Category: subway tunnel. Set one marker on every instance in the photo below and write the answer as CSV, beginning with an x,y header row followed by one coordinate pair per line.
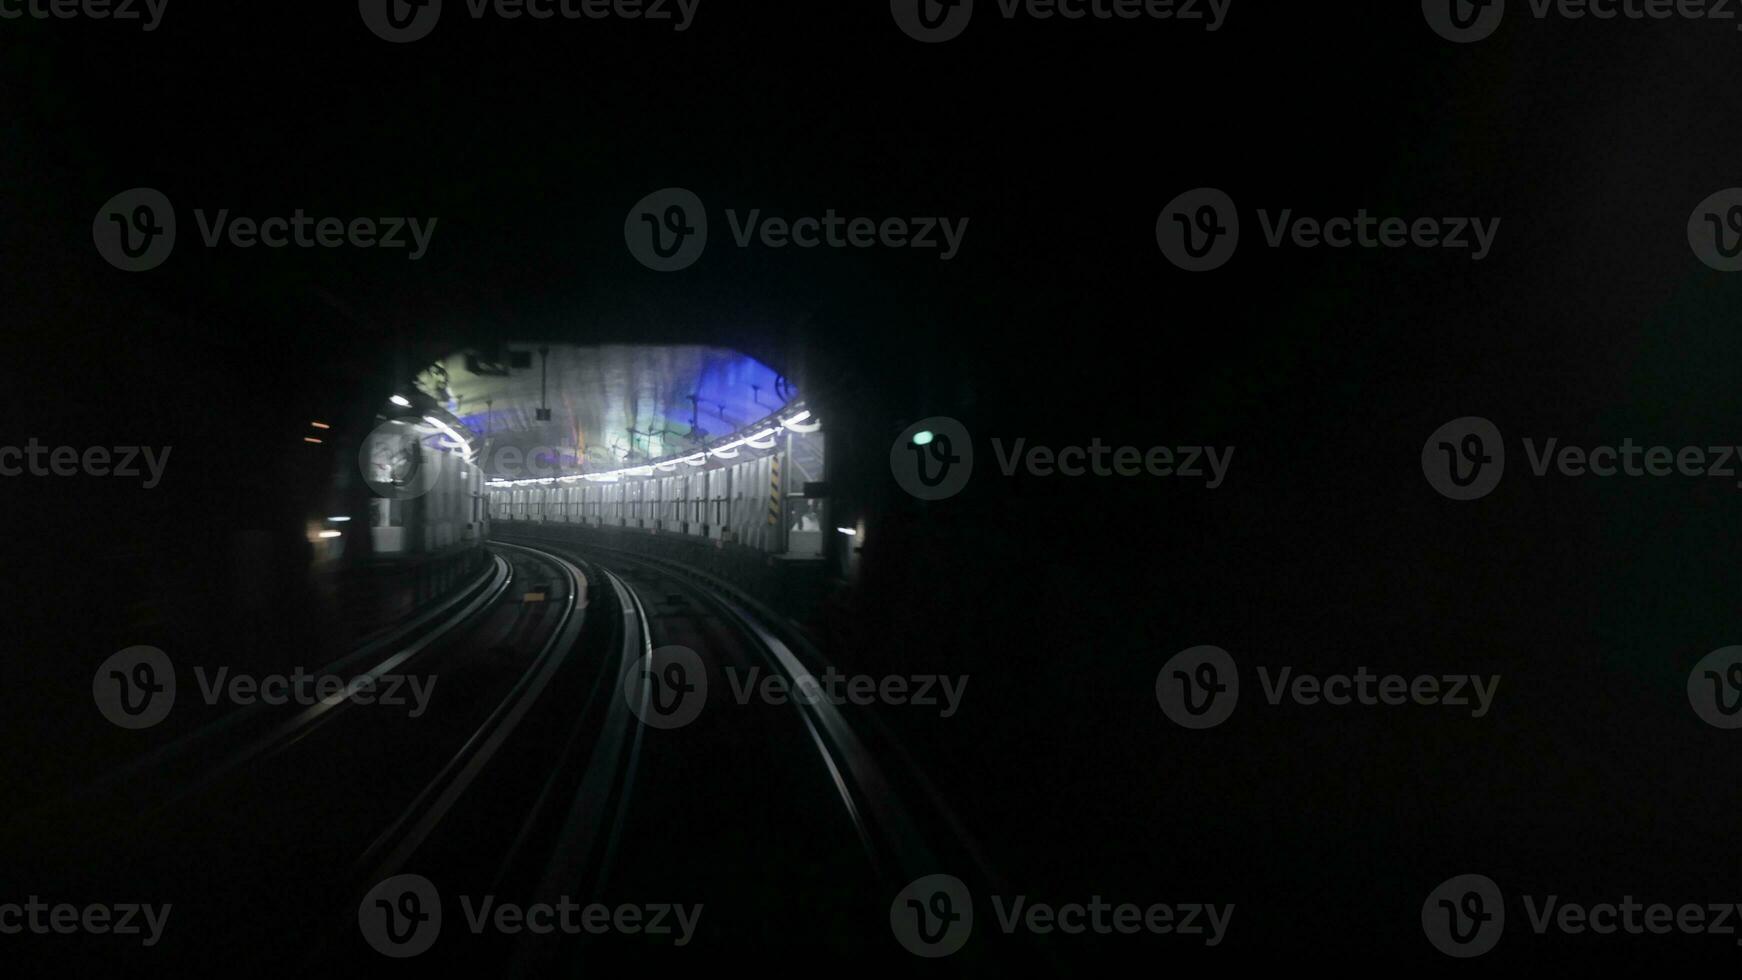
x,y
620,558
949,488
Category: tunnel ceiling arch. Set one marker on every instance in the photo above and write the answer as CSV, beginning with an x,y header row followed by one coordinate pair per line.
x,y
608,405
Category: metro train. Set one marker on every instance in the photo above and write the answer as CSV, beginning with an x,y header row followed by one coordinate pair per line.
x,y
427,492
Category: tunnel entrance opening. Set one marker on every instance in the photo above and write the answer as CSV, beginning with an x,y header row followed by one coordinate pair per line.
x,y
697,443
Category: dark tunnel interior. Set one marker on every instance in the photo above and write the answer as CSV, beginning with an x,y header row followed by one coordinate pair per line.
x,y
529,487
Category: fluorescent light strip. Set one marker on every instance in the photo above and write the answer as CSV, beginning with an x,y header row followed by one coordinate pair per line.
x,y
763,440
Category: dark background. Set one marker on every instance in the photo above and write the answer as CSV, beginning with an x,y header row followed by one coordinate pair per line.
x,y
1060,321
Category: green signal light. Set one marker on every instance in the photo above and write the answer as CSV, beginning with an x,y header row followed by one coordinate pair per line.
x,y
922,438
